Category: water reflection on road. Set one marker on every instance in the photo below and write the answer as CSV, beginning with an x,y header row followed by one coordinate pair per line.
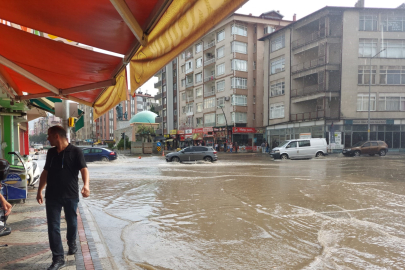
x,y
248,212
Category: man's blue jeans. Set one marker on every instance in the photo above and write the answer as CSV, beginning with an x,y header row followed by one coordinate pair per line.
x,y
53,214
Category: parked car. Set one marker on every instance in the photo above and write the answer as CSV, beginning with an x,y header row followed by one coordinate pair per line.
x,y
367,147
193,153
98,154
300,148
38,146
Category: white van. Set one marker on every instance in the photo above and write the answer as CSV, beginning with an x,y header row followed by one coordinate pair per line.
x,y
300,148
38,146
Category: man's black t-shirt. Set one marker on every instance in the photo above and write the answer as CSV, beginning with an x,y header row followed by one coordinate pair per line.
x,y
63,172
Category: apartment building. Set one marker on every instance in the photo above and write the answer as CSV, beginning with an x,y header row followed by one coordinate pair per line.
x,y
317,75
221,81
166,98
87,134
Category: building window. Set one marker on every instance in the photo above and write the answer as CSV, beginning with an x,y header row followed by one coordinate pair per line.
x,y
198,77
183,109
362,102
164,88
183,96
393,23
175,86
277,43
190,95
221,86
239,117
198,47
239,100
189,107
221,119
254,65
268,30
189,66
199,122
220,35
393,48
133,106
198,62
209,102
386,102
198,92
237,64
183,68
221,69
240,83
164,101
209,119
199,107
392,75
276,110
367,47
254,48
277,88
277,65
183,82
239,47
368,23
221,52
175,99
221,101
183,55
238,29
254,81
364,75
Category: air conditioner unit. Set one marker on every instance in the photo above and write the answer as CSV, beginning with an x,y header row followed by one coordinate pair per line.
x,y
227,98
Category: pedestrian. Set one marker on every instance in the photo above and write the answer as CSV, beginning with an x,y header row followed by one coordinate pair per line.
x,y
5,204
230,147
236,147
60,176
225,147
267,147
263,147
216,147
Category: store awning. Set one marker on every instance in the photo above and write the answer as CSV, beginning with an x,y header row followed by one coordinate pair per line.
x,y
43,52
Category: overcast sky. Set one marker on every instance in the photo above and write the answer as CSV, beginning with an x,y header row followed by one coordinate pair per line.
x,y
288,8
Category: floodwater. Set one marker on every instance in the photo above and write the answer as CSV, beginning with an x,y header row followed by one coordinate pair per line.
x,y
249,212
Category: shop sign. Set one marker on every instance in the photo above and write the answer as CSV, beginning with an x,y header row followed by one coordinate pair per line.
x,y
372,122
305,135
207,129
180,132
173,132
260,131
198,130
182,138
218,129
188,136
173,136
220,134
167,136
243,130
198,136
188,131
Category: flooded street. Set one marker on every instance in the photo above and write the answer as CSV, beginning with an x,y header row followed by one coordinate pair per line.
x,y
249,212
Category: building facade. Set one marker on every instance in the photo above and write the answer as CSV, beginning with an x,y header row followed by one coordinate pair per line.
x,y
317,75
221,81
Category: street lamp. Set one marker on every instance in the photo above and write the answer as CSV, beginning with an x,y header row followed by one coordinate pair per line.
x,y
222,108
369,96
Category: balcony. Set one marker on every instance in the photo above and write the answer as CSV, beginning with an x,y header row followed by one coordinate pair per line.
x,y
209,78
212,124
189,99
159,131
189,84
158,96
158,108
189,55
308,39
158,84
209,61
158,119
309,64
210,92
311,90
308,116
209,45
189,70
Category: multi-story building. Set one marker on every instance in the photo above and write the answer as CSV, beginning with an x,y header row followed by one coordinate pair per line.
x,y
221,80
317,75
88,132
166,98
144,102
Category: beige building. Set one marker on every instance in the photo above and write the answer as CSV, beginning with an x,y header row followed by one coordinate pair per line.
x,y
87,134
318,73
221,78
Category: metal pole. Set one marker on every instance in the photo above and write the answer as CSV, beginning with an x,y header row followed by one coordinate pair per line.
x,y
226,122
65,117
369,104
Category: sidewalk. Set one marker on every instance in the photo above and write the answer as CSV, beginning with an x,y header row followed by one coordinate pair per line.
x,y
28,246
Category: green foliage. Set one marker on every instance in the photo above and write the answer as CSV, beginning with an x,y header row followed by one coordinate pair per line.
x,y
145,133
110,145
152,109
120,145
40,138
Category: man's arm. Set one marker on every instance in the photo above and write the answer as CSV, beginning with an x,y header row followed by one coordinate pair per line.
x,y
42,183
5,204
86,182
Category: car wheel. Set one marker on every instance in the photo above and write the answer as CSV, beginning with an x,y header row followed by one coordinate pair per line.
x,y
382,153
175,159
284,156
357,153
319,154
105,159
208,159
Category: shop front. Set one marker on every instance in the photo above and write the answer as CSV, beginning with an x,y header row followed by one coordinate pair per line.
x,y
220,137
185,137
248,139
174,138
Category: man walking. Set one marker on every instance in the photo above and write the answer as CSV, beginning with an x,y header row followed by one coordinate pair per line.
x,y
60,175
263,147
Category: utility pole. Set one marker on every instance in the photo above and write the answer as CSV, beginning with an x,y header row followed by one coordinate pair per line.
x,y
65,118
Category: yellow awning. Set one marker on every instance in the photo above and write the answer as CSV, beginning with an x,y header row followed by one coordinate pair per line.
x,y
183,23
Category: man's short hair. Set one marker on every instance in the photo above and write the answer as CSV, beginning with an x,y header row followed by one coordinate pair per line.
x,y
58,130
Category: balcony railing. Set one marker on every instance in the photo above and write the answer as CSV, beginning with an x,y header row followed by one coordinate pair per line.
x,y
189,56
158,96
308,39
309,64
200,125
209,61
158,108
189,70
189,98
210,92
158,119
310,90
308,116
209,45
189,84
158,84
239,86
212,124
209,78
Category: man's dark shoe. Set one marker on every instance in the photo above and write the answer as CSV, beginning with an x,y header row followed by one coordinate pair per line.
x,y
72,248
57,264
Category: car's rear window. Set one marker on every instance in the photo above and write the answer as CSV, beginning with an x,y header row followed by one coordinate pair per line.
x,y
200,148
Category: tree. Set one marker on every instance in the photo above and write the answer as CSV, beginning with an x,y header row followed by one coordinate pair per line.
x,y
145,132
40,138
152,109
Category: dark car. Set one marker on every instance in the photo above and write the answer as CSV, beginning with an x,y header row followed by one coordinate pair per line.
x,y
98,154
193,153
367,147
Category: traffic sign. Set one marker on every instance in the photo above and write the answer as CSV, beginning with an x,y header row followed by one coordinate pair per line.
x,y
158,148
158,144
